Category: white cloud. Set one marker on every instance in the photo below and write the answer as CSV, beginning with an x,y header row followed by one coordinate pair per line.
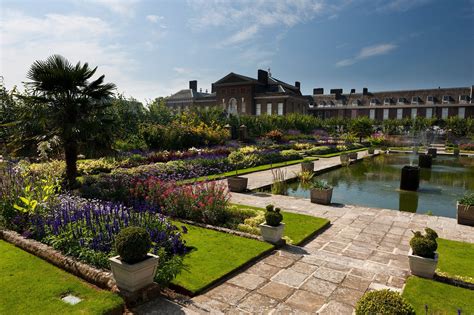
x,y
242,36
122,7
154,18
367,52
399,5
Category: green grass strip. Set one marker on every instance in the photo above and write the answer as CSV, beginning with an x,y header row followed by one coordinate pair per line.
x,y
456,259
31,285
441,298
214,255
329,155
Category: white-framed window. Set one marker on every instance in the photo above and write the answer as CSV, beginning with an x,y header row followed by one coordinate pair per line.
x,y
415,100
243,109
373,102
372,114
463,99
444,112
429,113
387,101
401,100
446,99
269,108
258,109
280,109
462,112
413,113
355,102
399,113
385,113
430,99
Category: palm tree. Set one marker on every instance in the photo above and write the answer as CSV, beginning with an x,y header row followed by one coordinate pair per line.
x,y
70,104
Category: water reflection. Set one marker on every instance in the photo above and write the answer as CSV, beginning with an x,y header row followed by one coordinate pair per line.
x,y
375,183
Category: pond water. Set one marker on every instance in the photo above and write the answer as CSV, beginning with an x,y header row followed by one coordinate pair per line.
x,y
375,183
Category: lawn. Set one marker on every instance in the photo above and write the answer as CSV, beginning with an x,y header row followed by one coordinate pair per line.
x,y
456,259
214,255
298,227
31,285
441,298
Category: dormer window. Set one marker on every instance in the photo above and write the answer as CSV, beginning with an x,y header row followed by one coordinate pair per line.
x,y
463,99
430,99
446,99
401,100
415,100
387,101
322,103
374,102
356,102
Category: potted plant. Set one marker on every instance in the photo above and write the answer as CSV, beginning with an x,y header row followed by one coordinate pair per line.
x,y
371,150
353,155
237,184
344,158
134,268
465,210
320,192
423,257
272,228
307,165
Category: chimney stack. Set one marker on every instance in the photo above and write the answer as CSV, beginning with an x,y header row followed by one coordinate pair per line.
x,y
193,85
365,91
263,76
353,91
297,84
318,91
336,91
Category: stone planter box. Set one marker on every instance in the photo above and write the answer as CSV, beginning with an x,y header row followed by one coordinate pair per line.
x,y
456,152
465,214
433,152
344,159
321,196
371,150
272,234
307,167
237,184
353,155
421,266
133,277
425,160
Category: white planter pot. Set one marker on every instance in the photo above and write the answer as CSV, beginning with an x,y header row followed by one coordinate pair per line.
x,y
272,234
465,214
133,277
421,266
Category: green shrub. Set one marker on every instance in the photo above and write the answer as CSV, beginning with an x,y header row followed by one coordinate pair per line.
x,y
320,185
132,244
273,217
424,245
383,302
467,200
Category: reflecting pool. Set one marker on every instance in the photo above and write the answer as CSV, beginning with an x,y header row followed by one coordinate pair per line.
x,y
375,182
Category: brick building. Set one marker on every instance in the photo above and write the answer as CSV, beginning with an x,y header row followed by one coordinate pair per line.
x,y
429,103
242,95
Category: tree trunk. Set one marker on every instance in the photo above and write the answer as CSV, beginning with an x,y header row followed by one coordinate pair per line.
x,y
70,150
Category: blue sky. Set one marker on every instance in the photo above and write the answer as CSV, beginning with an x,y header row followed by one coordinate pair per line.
x,y
153,48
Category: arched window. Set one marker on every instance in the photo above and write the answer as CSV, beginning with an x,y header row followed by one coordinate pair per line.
x,y
232,109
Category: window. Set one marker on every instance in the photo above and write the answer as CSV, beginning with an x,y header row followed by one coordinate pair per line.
x,y
258,109
401,100
242,90
429,112
462,112
399,113
413,113
463,99
372,114
355,102
354,113
269,108
322,103
385,114
446,99
280,109
387,101
444,113
243,109
430,99
415,100
374,102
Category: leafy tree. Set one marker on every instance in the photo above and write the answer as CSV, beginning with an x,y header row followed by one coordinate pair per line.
x,y
71,106
361,127
159,112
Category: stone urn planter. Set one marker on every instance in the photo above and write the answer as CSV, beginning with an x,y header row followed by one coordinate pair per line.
x,y
465,214
344,159
371,150
237,184
272,234
307,166
353,155
421,266
133,277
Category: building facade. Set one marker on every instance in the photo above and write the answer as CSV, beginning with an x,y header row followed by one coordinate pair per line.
x,y
430,103
242,95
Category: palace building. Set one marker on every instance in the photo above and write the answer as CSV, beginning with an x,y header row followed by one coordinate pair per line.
x,y
242,95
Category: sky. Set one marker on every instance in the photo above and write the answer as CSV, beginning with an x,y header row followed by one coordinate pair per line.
x,y
152,48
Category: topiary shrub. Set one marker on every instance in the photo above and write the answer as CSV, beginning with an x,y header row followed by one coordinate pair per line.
x,y
424,245
383,302
132,244
273,217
